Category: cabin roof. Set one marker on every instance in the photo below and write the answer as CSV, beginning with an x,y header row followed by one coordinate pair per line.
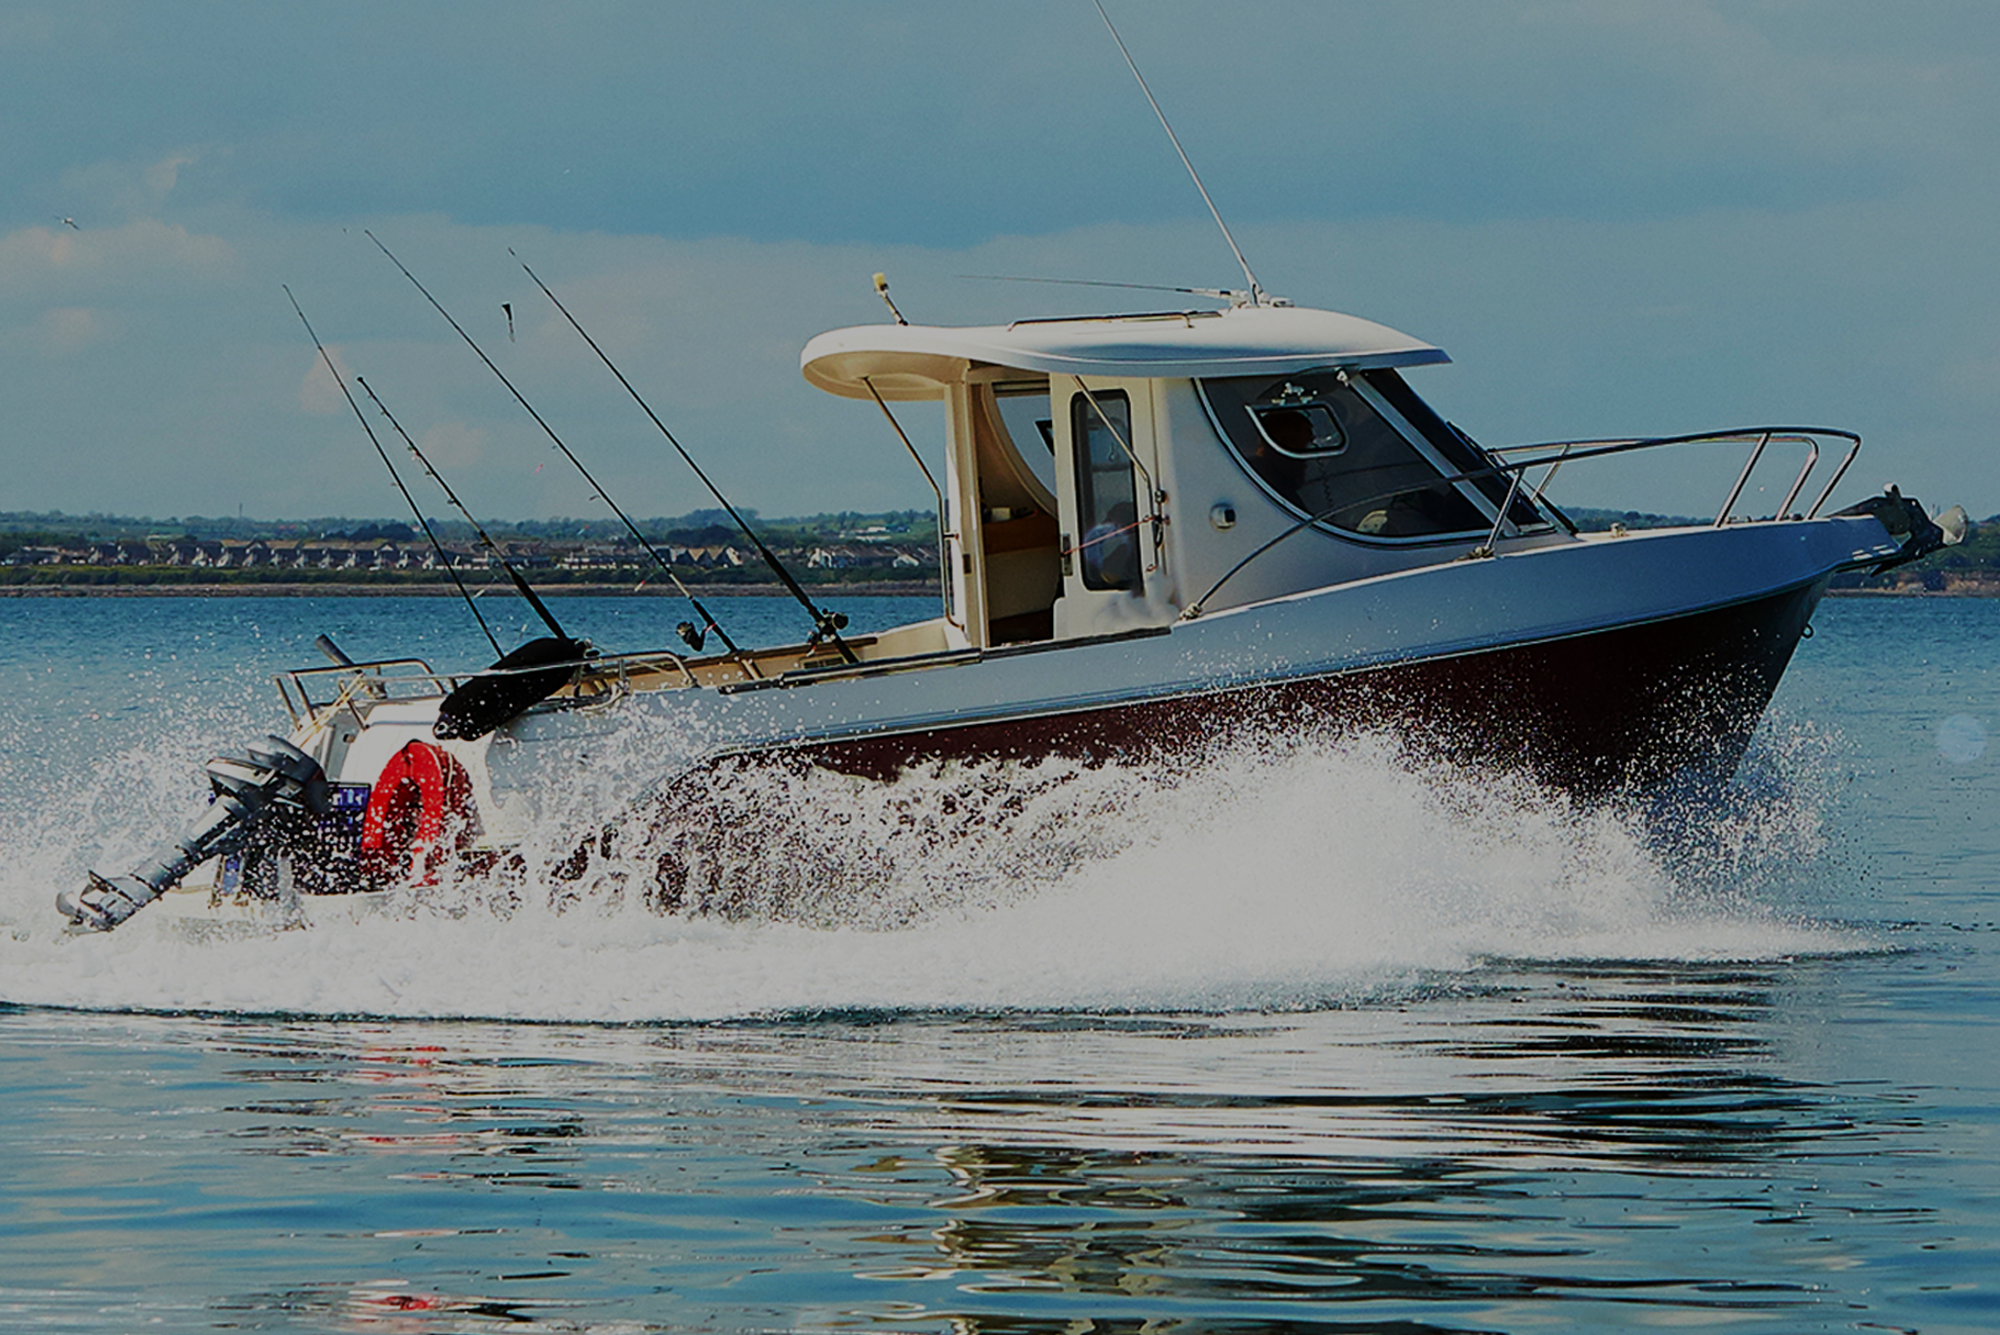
x,y
919,361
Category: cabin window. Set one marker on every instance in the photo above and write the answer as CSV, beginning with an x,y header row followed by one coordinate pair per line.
x,y
1298,424
1455,447
1317,444
1024,415
1107,503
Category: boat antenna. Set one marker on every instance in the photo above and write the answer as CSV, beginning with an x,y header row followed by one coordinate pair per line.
x,y
693,638
1257,294
1220,293
826,624
423,523
520,581
882,291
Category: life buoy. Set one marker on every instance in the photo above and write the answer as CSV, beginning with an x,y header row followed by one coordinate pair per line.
x,y
419,813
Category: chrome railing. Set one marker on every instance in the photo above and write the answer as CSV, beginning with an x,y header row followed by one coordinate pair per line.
x,y
1556,453
308,698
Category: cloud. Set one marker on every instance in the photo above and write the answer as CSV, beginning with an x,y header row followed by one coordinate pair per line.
x,y
161,176
144,256
319,396
1617,217
70,329
453,447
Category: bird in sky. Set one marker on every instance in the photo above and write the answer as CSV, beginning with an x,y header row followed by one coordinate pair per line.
x,y
71,223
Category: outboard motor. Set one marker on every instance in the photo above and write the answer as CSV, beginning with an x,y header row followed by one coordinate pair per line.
x,y
274,777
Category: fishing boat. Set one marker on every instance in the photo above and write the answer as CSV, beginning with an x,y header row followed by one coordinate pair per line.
x,y
1156,527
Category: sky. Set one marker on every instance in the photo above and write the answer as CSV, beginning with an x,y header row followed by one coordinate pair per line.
x,y
1619,219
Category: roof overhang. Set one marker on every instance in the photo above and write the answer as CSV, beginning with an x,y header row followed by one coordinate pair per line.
x,y
906,362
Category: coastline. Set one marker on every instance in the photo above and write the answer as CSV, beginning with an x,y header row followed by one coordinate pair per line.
x,y
885,589
1954,588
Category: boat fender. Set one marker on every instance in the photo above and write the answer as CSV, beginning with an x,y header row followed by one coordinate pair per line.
x,y
525,677
419,812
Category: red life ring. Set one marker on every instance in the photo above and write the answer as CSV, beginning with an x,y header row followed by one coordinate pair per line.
x,y
419,812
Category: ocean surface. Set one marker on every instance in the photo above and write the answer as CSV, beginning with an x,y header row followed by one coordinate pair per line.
x,y
1306,1036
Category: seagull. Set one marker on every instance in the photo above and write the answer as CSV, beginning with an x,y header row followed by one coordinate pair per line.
x,y
71,222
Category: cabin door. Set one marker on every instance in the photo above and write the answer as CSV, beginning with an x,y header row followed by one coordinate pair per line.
x,y
1014,454
1110,548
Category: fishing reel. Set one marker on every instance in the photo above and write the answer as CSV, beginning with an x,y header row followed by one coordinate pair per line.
x,y
826,626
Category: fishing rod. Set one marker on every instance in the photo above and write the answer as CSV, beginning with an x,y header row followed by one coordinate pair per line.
x,y
362,418
826,624
694,640
520,581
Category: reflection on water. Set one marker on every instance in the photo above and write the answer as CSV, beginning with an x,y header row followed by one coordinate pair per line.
x,y
1582,1143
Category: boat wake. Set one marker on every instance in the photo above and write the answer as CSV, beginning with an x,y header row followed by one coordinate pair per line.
x,y
1264,873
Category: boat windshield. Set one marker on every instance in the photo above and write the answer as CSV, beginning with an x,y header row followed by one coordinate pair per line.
x,y
1320,443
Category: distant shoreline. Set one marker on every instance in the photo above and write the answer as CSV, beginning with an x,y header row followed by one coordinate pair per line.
x,y
885,589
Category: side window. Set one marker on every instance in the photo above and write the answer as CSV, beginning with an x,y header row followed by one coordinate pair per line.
x,y
1106,502
1024,414
1321,447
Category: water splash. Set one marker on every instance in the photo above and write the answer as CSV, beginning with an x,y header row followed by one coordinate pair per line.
x,y
1258,872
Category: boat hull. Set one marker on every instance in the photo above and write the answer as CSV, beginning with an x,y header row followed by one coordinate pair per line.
x,y
1623,708
1599,667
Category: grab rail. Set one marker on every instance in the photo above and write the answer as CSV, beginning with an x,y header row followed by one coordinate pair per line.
x,y
383,682
1556,453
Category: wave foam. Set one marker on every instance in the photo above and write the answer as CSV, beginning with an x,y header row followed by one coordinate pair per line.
x,y
1268,873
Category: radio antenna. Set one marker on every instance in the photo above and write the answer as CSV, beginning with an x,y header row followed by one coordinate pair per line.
x,y
1221,294
1257,294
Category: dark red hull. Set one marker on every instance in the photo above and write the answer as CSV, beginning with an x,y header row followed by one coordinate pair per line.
x,y
1625,708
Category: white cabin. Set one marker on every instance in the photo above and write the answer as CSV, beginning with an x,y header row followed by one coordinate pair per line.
x,y
1102,473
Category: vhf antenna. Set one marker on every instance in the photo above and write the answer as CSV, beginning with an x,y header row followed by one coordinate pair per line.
x,y
1258,296
1222,294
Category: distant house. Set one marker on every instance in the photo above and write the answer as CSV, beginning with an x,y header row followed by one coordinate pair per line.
x,y
596,556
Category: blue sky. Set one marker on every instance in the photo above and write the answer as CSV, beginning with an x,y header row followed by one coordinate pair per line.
x,y
1618,218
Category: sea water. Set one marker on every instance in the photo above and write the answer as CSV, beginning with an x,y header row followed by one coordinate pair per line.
x,y
1299,1033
